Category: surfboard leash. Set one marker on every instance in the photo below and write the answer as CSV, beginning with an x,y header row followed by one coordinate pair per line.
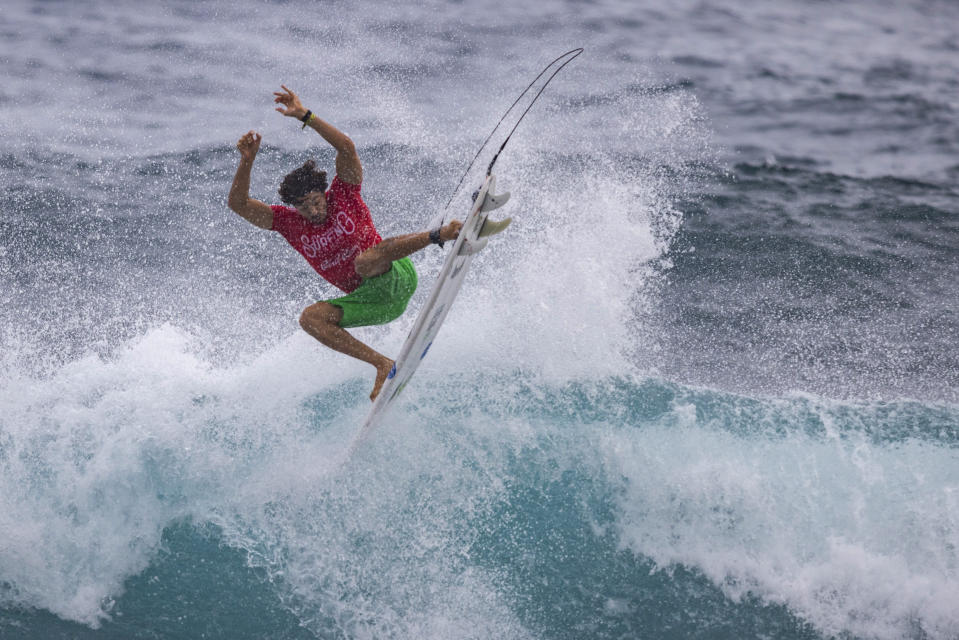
x,y
567,57
575,53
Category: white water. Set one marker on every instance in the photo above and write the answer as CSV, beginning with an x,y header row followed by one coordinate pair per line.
x,y
853,535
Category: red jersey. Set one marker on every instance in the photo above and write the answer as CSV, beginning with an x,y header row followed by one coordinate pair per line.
x,y
331,247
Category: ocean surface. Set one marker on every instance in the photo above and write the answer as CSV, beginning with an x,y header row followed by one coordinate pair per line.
x,y
706,386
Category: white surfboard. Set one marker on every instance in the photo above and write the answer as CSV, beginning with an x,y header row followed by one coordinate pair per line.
x,y
472,239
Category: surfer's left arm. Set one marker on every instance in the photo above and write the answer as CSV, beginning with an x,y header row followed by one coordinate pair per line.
x,y
348,165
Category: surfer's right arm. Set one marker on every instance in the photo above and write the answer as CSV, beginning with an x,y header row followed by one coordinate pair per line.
x,y
254,211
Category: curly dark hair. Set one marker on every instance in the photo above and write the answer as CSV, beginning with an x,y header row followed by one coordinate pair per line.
x,y
302,181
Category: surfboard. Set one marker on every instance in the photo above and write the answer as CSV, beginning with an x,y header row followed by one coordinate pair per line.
x,y
473,238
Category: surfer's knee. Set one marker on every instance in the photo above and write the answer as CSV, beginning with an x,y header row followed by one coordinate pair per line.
x,y
317,317
369,264
372,262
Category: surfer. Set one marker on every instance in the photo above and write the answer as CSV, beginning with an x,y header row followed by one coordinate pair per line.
x,y
333,229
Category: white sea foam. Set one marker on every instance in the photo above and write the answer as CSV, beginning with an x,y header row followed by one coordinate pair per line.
x,y
852,535
100,457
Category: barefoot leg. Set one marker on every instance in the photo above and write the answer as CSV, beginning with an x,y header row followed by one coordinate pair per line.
x,y
321,320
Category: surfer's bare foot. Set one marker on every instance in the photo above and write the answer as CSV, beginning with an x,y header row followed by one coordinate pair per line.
x,y
382,372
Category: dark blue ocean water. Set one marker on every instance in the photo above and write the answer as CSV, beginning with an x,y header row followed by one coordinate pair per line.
x,y
706,386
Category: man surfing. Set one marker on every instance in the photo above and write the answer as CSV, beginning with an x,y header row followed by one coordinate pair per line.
x,y
334,231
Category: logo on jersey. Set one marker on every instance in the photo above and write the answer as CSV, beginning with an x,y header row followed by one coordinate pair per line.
x,y
315,245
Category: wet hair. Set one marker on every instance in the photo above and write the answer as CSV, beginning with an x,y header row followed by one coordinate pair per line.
x,y
299,182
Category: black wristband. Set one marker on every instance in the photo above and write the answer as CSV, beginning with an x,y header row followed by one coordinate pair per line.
x,y
306,116
435,237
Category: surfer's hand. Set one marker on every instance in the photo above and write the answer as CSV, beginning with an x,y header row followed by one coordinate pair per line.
x,y
292,106
249,145
451,231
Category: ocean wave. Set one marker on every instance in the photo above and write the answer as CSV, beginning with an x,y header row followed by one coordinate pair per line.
x,y
765,501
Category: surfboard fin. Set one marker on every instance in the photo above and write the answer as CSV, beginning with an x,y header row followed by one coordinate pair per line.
x,y
495,202
492,227
470,248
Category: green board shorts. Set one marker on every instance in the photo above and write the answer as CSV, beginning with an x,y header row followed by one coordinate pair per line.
x,y
379,299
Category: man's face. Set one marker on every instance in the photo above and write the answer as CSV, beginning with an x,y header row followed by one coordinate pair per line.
x,y
313,207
